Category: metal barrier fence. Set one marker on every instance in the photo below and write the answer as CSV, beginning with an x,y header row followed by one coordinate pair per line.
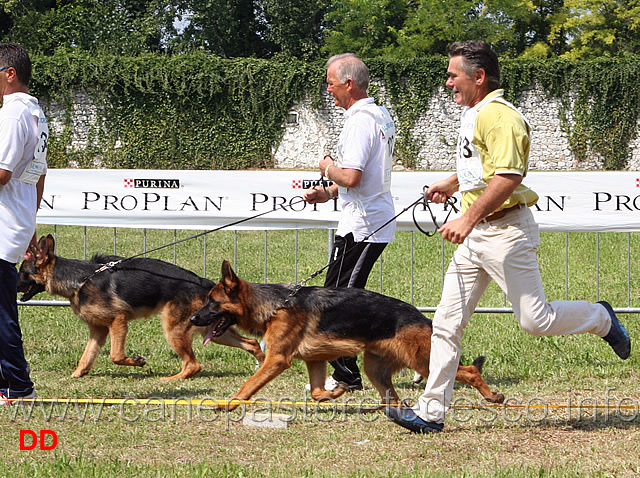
x,y
625,272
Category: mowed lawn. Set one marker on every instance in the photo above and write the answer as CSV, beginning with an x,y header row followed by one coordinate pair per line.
x,y
572,406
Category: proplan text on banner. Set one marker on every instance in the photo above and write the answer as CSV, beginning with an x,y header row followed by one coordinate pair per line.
x,y
202,200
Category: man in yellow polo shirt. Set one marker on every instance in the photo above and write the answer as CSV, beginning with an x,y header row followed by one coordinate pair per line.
x,y
496,234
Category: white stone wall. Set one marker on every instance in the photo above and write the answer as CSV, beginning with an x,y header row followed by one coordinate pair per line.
x,y
83,116
316,132
634,161
435,133
83,120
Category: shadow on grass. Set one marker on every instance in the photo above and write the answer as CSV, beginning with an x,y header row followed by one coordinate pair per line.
x,y
151,374
582,424
491,381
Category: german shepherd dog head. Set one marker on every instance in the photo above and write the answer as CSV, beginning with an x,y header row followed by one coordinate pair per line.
x,y
318,324
223,308
49,273
30,282
234,301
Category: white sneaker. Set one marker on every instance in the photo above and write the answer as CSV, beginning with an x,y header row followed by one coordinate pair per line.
x,y
8,401
329,384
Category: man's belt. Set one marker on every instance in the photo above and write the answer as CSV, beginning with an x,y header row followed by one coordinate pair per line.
x,y
502,213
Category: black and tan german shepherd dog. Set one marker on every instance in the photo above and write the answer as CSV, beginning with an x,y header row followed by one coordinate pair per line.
x,y
317,324
133,289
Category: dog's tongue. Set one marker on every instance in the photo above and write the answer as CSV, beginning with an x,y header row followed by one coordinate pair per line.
x,y
208,337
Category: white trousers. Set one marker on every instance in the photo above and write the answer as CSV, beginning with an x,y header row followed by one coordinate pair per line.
x,y
504,251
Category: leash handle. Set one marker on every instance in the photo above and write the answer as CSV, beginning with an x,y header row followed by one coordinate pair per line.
x,y
449,202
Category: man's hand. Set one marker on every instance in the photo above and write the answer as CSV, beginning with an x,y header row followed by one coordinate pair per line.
x,y
499,189
33,252
316,194
457,230
324,163
442,190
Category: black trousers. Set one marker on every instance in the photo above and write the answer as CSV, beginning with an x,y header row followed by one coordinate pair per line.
x,y
14,370
350,267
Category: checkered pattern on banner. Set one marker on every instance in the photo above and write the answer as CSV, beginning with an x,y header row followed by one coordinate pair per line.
x,y
128,183
296,184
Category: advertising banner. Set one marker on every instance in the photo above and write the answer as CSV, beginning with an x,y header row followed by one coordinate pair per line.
x,y
204,200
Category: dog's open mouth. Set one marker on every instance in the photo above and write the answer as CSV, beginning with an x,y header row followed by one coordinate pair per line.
x,y
29,290
220,327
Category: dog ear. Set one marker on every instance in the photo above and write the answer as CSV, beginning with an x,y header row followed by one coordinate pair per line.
x,y
229,278
46,246
51,244
42,242
41,253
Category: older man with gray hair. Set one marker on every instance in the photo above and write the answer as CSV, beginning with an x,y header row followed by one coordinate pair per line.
x,y
359,174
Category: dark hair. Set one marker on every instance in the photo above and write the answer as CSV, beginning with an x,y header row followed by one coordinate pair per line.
x,y
17,57
478,54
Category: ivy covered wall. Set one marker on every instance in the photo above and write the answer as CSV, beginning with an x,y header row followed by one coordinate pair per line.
x,y
201,112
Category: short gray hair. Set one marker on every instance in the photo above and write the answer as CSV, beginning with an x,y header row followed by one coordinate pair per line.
x,y
351,67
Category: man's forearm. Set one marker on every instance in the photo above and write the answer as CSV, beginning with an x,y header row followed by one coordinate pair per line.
x,y
39,190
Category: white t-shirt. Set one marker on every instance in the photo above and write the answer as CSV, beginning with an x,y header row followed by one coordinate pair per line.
x,y
366,144
18,200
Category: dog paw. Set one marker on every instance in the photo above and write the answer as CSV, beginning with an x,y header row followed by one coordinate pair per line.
x,y
139,361
497,398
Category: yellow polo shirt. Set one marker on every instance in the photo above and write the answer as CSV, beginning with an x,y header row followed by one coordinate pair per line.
x,y
501,137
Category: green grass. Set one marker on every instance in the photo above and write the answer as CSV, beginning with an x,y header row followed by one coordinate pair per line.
x,y
140,439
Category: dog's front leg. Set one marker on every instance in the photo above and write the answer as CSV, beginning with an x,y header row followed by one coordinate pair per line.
x,y
281,339
97,338
119,329
274,365
232,338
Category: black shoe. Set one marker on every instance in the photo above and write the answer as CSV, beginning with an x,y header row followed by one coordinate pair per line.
x,y
618,337
407,418
332,383
354,386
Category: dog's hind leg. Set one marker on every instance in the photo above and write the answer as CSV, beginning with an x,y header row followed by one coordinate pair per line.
x,y
470,375
179,333
379,370
118,330
97,338
181,341
317,375
232,338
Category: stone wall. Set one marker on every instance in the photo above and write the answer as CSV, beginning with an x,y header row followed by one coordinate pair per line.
x,y
310,133
316,132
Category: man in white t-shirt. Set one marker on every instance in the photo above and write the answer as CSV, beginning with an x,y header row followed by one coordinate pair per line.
x,y
23,144
361,177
